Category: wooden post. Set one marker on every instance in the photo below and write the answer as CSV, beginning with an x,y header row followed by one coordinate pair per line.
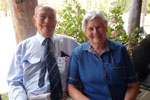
x,y
22,12
134,15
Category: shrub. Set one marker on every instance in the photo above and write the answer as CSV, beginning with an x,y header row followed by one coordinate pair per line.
x,y
70,21
70,18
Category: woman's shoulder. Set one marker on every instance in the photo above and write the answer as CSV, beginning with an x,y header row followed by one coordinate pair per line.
x,y
82,47
115,45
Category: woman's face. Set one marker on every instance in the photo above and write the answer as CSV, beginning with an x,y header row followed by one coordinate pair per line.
x,y
96,32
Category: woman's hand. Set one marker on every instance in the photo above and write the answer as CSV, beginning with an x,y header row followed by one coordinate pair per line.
x,y
76,94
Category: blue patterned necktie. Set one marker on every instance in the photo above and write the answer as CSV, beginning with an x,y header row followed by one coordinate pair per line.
x,y
50,64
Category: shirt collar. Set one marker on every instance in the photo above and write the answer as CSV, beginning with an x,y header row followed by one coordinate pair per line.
x,y
90,49
41,38
109,46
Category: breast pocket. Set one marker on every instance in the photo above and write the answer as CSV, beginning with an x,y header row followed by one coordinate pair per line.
x,y
118,74
63,64
31,67
32,63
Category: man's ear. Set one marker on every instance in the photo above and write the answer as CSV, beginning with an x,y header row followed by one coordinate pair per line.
x,y
34,20
106,30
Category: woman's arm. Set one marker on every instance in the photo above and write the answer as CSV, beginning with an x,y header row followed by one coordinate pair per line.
x,y
75,94
132,91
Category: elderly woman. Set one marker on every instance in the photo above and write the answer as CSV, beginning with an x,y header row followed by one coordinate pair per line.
x,y
102,66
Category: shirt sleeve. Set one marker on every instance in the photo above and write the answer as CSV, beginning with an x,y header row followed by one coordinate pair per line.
x,y
131,74
74,70
75,43
15,79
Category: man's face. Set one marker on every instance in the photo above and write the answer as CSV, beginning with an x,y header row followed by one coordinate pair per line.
x,y
45,21
95,31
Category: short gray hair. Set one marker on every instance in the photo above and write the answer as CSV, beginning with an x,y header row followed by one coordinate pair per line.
x,y
45,5
93,14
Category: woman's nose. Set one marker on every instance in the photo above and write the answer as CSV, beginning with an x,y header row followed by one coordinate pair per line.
x,y
95,31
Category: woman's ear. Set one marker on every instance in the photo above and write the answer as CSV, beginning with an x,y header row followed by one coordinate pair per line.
x,y
85,33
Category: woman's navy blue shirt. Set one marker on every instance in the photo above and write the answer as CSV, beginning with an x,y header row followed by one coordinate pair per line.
x,y
102,77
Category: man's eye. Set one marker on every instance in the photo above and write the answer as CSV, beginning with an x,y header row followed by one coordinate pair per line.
x,y
42,16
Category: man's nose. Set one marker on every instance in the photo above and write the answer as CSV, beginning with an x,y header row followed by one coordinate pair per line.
x,y
47,19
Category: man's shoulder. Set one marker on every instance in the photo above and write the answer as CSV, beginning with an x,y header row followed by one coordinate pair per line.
x,y
62,36
65,40
26,41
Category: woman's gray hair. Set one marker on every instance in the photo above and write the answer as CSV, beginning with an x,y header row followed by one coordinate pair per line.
x,y
46,5
94,14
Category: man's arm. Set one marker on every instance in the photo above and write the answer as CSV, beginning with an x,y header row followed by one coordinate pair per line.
x,y
132,91
15,79
75,94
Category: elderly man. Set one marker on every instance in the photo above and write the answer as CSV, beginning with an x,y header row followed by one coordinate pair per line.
x,y
39,66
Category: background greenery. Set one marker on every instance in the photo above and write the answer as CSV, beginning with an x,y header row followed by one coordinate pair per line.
x,y
70,18
4,6
4,96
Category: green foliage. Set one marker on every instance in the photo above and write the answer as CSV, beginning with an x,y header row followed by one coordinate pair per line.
x,y
148,8
116,31
70,21
4,96
4,5
105,4
43,1
115,26
124,4
135,37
